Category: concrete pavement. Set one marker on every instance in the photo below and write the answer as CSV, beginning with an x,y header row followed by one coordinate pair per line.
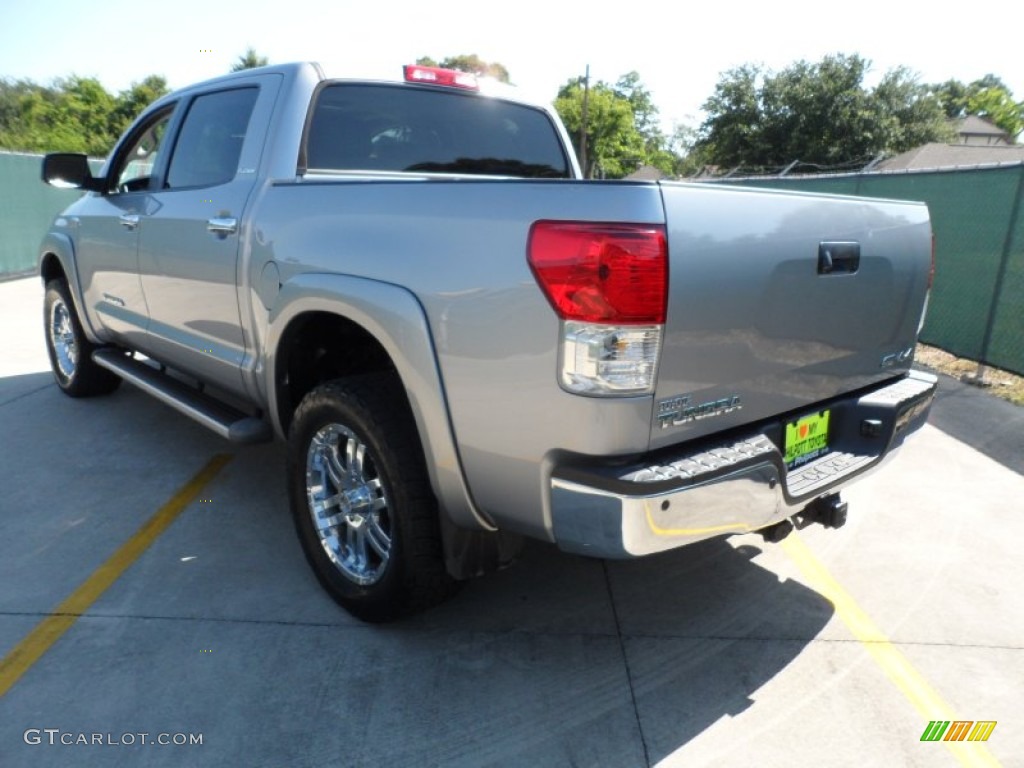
x,y
721,654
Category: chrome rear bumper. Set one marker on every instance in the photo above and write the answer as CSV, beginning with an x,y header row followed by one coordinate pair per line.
x,y
737,486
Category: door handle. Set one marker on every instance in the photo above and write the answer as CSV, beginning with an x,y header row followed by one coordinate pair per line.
x,y
222,225
838,258
129,220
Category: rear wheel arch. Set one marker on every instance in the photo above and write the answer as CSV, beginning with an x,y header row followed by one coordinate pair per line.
x,y
316,347
389,326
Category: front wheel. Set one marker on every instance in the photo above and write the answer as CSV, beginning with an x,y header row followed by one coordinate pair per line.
x,y
362,504
69,350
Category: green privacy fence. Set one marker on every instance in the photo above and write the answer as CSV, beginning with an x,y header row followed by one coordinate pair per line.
x,y
27,206
977,303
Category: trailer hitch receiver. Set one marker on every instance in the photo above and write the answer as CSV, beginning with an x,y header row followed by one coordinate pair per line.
x,y
829,511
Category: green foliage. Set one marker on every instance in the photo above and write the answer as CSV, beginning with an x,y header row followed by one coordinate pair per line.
x,y
249,60
645,113
987,97
816,112
614,145
74,114
468,63
661,151
997,104
733,133
623,131
686,159
955,96
907,114
135,99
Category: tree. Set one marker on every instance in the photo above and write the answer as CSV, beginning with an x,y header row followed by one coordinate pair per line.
x,y
134,99
678,157
732,133
660,151
74,114
470,63
907,114
645,113
614,146
623,130
997,105
987,97
249,60
819,113
11,94
954,95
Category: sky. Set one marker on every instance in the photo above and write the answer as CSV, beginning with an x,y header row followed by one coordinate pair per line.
x,y
678,48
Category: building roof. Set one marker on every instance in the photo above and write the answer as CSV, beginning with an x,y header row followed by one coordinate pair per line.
x,y
972,125
936,155
646,173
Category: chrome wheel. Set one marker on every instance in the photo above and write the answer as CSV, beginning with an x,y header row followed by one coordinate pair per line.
x,y
361,498
348,505
69,349
62,338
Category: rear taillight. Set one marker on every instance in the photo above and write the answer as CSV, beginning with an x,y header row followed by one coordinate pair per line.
x,y
611,273
609,284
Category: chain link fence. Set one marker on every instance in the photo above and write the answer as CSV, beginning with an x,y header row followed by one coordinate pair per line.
x,y
977,302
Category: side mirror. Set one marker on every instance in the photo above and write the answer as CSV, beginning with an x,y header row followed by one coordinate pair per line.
x,y
69,171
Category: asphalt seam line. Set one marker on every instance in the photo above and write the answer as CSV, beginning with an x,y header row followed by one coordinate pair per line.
x,y
925,699
625,662
42,637
23,395
506,632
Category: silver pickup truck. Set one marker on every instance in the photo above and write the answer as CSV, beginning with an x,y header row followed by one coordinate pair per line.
x,y
463,343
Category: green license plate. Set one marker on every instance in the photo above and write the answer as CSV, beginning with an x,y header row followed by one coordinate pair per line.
x,y
806,438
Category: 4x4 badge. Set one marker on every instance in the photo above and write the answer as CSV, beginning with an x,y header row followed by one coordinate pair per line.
x,y
894,358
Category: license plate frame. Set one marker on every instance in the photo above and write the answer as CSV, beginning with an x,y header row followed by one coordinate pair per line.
x,y
806,438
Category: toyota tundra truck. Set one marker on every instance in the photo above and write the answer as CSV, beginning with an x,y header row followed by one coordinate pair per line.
x,y
463,343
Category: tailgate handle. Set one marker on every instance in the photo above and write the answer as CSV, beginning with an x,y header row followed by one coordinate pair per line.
x,y
841,258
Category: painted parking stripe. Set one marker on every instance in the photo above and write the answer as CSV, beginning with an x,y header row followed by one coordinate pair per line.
x,y
896,666
60,620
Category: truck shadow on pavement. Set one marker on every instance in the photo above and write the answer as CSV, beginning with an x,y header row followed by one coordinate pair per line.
x,y
620,663
558,660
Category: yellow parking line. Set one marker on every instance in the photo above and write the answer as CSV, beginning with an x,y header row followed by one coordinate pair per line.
x,y
895,665
48,631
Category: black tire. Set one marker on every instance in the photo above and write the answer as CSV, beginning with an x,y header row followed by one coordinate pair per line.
x,y
383,558
69,350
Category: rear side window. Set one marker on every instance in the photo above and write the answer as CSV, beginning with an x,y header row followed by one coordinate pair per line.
x,y
210,142
396,128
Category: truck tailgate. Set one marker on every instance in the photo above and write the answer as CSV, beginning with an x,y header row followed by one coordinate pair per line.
x,y
780,300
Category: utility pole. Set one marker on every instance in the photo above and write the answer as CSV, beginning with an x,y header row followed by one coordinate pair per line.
x,y
583,125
